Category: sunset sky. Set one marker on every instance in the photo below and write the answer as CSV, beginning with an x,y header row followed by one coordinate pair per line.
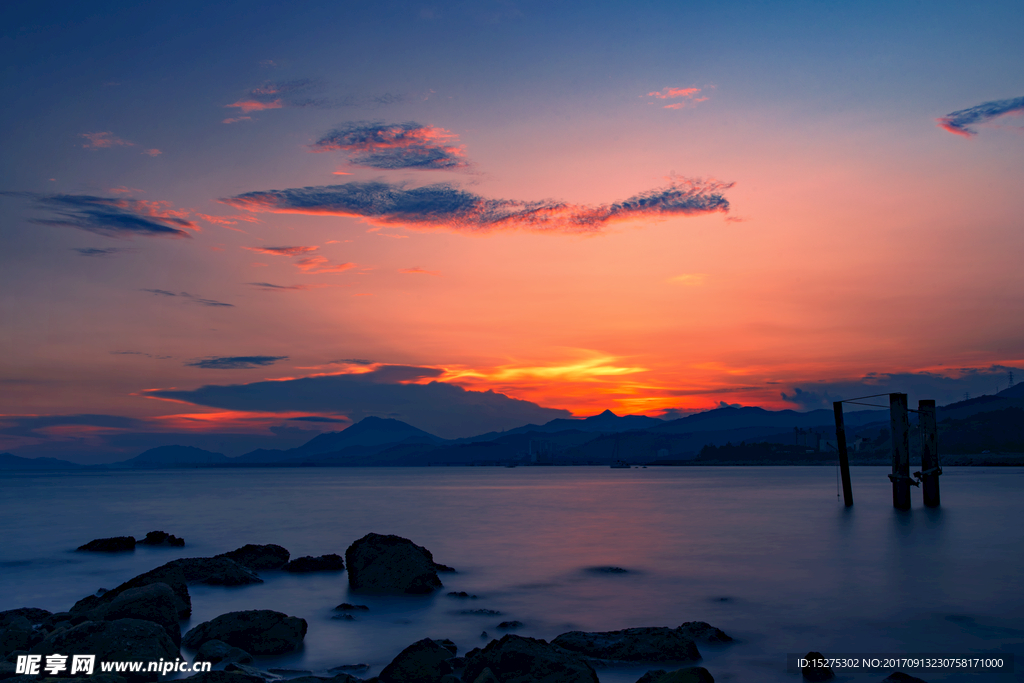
x,y
235,225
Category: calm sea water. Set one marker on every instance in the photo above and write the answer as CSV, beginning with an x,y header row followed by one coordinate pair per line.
x,y
767,554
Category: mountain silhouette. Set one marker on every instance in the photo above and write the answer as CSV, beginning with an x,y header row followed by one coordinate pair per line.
x,y
175,456
10,462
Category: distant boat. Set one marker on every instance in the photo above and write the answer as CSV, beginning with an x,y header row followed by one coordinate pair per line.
x,y
620,465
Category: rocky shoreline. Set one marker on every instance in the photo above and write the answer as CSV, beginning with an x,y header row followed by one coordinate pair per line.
x,y
139,620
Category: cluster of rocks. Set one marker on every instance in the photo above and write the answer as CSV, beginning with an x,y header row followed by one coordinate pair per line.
x,y
139,621
117,544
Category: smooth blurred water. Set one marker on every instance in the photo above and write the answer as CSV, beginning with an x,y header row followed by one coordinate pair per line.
x,y
767,554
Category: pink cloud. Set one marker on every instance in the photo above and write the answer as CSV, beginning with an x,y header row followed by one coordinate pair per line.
x,y
283,251
672,93
418,271
152,152
252,105
320,264
688,95
104,140
236,119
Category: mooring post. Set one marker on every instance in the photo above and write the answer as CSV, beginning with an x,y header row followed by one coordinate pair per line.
x,y
929,453
899,422
844,458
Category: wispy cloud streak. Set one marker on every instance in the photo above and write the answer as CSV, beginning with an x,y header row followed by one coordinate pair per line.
x,y
448,207
958,122
687,95
189,297
110,216
395,146
283,251
235,362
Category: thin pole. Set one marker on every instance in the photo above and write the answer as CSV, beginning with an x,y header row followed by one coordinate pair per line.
x,y
929,453
899,422
844,458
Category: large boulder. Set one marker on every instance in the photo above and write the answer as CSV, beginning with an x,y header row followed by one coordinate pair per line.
x,y
259,631
424,661
219,652
33,615
178,574
703,632
223,677
515,659
648,644
18,634
690,674
162,538
154,602
124,640
324,563
258,557
900,677
817,669
109,545
390,564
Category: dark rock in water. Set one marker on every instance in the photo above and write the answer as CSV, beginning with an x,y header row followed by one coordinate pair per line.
x,y
448,644
178,574
816,669
422,662
703,632
648,644
457,663
213,571
259,631
515,659
218,652
162,538
483,635
348,667
34,615
652,676
337,678
690,674
235,667
109,545
344,617
289,672
155,602
445,568
66,619
481,612
486,676
222,677
259,556
461,594
607,570
124,640
900,677
390,564
510,625
18,635
324,563
348,607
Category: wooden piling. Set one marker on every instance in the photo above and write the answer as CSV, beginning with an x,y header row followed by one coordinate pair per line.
x,y
899,423
844,458
929,453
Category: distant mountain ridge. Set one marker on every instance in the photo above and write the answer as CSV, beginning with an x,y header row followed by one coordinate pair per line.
x,y
9,462
376,441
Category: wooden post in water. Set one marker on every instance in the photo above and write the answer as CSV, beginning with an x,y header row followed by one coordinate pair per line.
x,y
929,453
899,422
844,458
